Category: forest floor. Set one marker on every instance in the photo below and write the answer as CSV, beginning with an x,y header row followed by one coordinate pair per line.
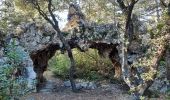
x,y
54,89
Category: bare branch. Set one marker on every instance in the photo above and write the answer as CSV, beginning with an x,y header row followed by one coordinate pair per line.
x,y
52,15
44,15
133,2
122,5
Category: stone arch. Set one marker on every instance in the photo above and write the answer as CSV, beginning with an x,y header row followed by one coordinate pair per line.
x,y
110,51
41,57
40,60
42,47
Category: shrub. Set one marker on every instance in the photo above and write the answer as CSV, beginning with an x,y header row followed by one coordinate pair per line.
x,y
11,85
60,65
89,65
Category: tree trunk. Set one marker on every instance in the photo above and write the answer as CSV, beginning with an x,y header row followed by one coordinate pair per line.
x,y
70,55
54,24
168,67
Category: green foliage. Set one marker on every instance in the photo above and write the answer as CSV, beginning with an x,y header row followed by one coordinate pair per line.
x,y
89,65
11,86
9,18
98,10
3,23
160,26
12,54
60,65
168,94
25,8
162,63
156,32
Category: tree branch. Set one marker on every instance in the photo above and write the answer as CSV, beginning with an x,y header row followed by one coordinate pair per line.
x,y
122,5
52,15
129,24
37,6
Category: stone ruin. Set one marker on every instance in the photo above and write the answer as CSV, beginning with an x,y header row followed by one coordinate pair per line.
x,y
42,45
41,42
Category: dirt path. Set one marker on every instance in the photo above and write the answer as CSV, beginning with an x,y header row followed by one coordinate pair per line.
x,y
54,90
66,94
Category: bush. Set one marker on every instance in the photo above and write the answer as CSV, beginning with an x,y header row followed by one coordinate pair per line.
x,y
60,65
11,85
89,65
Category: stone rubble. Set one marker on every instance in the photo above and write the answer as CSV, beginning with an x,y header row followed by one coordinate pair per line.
x,y
80,85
